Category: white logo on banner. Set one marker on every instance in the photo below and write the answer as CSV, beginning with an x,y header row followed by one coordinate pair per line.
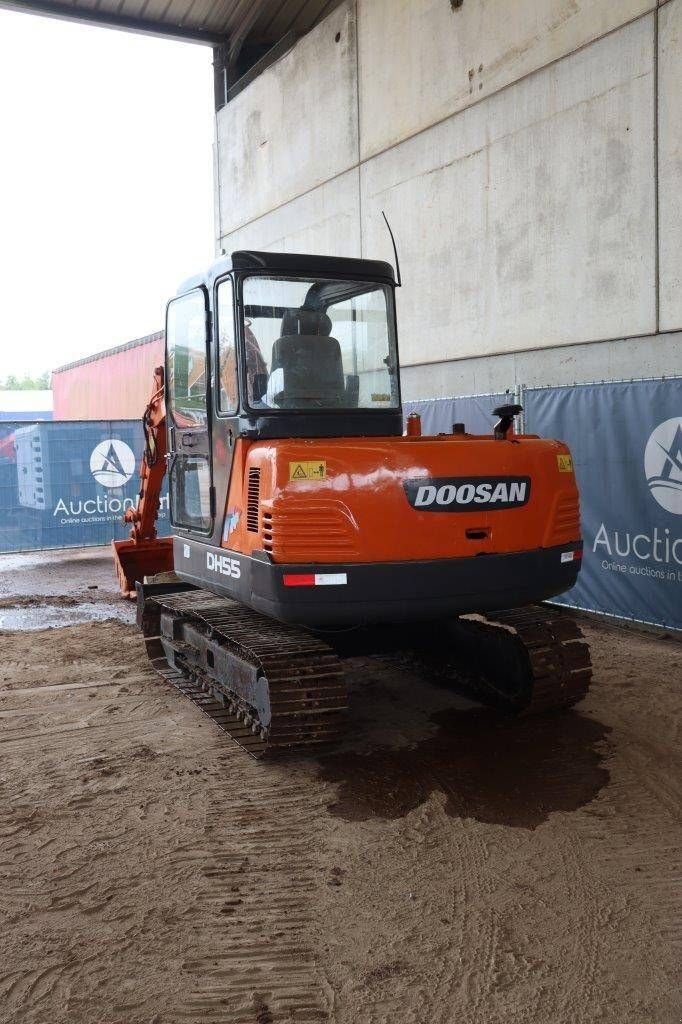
x,y
112,463
663,465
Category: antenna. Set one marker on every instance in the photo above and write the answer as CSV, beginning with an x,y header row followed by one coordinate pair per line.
x,y
395,251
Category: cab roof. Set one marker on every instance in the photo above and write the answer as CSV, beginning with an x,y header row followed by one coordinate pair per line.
x,y
304,264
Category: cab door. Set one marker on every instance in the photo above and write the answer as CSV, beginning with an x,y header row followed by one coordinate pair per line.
x,y
188,369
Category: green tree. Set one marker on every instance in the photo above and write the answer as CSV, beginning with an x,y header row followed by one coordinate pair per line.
x,y
13,383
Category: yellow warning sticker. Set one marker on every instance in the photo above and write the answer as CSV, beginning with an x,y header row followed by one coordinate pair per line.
x,y
308,470
565,463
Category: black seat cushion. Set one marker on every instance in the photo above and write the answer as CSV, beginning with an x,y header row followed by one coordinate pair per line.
x,y
312,370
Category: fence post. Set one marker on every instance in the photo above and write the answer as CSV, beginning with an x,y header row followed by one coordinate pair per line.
x,y
519,399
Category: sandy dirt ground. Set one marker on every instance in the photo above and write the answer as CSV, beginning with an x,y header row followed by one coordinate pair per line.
x,y
446,866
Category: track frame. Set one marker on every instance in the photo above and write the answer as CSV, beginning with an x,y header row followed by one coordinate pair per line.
x,y
277,688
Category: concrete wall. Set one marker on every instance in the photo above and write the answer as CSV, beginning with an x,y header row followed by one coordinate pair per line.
x,y
670,162
528,155
293,128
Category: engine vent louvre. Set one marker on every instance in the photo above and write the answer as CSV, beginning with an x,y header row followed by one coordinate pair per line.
x,y
309,530
267,531
566,524
253,500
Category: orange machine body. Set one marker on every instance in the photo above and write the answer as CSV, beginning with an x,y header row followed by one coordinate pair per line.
x,y
353,507
293,490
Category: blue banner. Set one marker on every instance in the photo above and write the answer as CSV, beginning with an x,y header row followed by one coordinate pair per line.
x,y
67,484
475,411
626,440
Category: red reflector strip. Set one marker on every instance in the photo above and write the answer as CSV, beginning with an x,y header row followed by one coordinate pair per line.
x,y
572,556
314,579
298,579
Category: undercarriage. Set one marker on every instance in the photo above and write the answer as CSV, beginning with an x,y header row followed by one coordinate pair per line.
x,y
276,687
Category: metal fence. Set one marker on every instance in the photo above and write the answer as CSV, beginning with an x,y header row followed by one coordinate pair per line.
x,y
67,484
475,411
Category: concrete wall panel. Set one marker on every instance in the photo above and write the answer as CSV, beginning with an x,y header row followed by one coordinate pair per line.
x,y
527,220
421,62
323,221
602,360
670,165
293,127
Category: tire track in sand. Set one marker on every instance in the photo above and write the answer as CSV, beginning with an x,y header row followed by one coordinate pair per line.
x,y
236,943
252,958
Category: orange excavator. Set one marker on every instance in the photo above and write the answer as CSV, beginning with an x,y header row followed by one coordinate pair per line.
x,y
307,525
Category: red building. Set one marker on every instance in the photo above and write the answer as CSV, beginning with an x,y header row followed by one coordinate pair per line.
x,y
111,385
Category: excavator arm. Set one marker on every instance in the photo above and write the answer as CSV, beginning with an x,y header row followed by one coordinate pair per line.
x,y
145,554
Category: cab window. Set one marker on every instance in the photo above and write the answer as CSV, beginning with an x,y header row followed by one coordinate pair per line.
x,y
190,493
228,399
186,357
319,344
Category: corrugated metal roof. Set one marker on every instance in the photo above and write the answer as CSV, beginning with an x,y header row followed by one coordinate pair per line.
x,y
115,384
214,22
135,343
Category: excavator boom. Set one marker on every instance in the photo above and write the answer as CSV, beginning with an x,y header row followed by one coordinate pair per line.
x,y
145,554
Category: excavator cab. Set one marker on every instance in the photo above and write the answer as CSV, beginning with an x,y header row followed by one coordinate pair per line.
x,y
264,345
273,346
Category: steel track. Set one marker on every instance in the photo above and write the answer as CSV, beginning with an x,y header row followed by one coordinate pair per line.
x,y
305,679
530,660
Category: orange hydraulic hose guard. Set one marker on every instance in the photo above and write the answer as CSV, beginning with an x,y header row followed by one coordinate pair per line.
x,y
145,554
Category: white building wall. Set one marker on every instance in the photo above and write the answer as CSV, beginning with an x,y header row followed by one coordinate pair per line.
x,y
293,128
510,210
529,157
670,163
324,220
421,61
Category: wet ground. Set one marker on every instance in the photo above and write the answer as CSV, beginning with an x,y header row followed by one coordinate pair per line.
x,y
490,768
47,589
444,865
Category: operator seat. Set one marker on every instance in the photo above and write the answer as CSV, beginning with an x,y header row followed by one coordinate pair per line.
x,y
310,361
